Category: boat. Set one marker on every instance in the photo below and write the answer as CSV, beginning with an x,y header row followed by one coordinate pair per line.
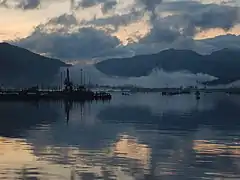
x,y
80,93
197,94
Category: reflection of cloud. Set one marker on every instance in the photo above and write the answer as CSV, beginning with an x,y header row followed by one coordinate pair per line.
x,y
100,150
214,148
164,104
17,156
98,162
129,148
15,151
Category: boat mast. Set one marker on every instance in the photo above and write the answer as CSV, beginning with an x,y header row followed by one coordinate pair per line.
x,y
81,77
68,84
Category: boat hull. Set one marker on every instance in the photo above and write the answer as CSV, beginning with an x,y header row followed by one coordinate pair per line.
x,y
50,96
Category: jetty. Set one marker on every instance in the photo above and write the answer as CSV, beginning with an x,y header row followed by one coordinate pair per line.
x,y
70,92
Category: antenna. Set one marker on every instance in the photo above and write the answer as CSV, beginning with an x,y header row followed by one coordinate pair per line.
x,y
81,77
68,76
84,78
61,81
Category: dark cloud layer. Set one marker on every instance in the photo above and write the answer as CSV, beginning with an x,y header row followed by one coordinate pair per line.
x,y
3,3
176,30
224,17
84,43
189,18
26,4
106,5
150,6
65,20
204,15
116,21
22,4
29,4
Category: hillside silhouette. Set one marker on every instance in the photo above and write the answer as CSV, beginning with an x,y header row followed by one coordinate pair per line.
x,y
20,67
223,64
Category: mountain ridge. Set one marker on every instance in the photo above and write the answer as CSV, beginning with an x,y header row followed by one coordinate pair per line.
x,y
223,64
20,67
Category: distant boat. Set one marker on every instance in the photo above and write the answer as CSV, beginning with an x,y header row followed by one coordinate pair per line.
x,y
164,93
125,94
197,94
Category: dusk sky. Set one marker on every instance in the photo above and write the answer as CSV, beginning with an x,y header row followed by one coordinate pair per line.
x,y
107,26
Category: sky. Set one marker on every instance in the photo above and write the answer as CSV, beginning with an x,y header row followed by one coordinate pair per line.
x,y
86,29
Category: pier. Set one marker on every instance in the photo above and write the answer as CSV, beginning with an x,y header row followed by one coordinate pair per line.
x,y
69,93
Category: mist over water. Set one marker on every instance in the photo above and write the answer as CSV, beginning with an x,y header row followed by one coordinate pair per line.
x,y
156,79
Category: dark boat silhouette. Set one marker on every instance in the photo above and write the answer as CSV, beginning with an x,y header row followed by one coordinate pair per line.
x,y
80,93
197,94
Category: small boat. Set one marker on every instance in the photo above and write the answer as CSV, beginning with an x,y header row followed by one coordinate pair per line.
x,y
125,94
164,93
197,94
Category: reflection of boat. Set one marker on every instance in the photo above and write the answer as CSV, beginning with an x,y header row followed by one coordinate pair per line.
x,y
170,93
176,92
129,147
54,95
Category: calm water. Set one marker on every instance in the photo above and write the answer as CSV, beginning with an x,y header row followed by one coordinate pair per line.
x,y
132,137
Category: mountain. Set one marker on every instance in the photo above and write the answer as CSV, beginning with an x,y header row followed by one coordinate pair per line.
x,y
20,67
223,64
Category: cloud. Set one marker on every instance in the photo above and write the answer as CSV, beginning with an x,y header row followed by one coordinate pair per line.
x,y
63,37
116,21
216,17
89,3
68,41
29,4
188,18
204,15
3,3
150,6
224,41
21,4
106,5
161,32
64,19
204,46
83,43
25,4
69,38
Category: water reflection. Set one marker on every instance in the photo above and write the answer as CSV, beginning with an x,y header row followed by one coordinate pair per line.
x,y
133,137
